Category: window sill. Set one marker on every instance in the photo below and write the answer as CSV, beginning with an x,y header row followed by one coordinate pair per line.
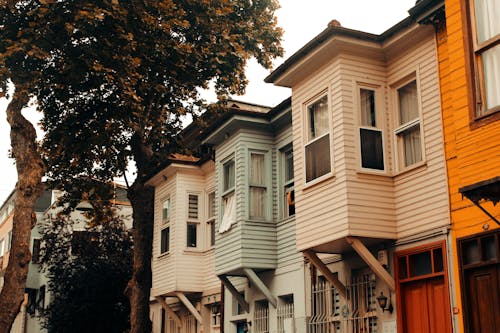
x,y
484,119
382,173
420,165
193,251
318,180
163,255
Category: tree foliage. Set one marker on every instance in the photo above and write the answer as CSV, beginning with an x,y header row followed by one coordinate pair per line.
x,y
114,78
88,270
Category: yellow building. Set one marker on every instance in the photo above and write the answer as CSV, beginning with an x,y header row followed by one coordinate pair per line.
x,y
469,67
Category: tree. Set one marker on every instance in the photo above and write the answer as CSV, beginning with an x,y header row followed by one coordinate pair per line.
x,y
19,64
118,77
88,271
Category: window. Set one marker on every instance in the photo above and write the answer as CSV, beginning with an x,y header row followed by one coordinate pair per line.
x,y
9,240
261,317
228,197
41,298
166,210
165,240
409,143
257,186
2,247
211,218
370,137
288,189
285,313
317,148
192,224
35,254
485,40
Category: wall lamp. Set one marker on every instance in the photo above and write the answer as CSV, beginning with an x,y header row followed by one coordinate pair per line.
x,y
382,302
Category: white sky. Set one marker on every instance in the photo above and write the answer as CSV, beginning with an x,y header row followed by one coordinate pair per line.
x,y
302,21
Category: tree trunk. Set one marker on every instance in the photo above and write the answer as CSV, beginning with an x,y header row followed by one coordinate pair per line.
x,y
28,188
138,288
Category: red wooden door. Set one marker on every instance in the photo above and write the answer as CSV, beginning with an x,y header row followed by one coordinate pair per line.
x,y
425,306
483,299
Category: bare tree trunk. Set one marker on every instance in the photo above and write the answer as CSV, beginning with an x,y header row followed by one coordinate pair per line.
x,y
141,197
29,186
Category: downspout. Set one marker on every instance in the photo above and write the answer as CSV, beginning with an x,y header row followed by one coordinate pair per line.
x,y
451,281
222,307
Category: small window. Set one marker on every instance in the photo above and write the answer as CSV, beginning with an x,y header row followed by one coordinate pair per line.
x,y
41,298
2,247
288,184
317,148
165,240
228,176
408,136
35,254
372,152
211,218
422,263
193,206
257,188
261,317
211,205
192,229
166,210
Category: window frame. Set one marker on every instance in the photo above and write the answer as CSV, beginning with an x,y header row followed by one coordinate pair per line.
x,y
167,251
167,219
474,71
378,127
193,221
308,142
210,225
409,125
264,185
287,185
225,194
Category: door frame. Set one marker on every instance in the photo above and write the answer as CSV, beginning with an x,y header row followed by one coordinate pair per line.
x,y
401,280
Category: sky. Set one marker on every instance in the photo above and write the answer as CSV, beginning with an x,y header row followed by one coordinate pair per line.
x,y
301,20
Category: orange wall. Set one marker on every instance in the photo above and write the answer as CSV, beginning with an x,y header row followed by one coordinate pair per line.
x,y
472,155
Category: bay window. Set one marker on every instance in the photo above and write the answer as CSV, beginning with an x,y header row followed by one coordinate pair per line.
x,y
370,134
408,132
317,148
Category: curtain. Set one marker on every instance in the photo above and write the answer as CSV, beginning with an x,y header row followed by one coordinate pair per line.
x,y
487,19
408,103
491,63
367,106
318,114
257,171
229,215
412,146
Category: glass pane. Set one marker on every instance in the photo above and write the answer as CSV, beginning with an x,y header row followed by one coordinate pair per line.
x,y
193,206
211,204
228,175
212,233
403,268
488,247
408,103
470,252
166,209
372,152
487,22
289,201
491,64
411,145
438,260
318,158
367,104
288,165
318,118
257,197
420,264
191,234
165,239
257,170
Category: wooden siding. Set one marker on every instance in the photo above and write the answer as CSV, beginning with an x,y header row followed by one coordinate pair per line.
x,y
472,155
354,201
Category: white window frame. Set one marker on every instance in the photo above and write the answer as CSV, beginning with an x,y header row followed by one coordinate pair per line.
x,y
167,219
226,194
325,93
194,221
166,226
264,185
379,125
210,220
287,185
399,129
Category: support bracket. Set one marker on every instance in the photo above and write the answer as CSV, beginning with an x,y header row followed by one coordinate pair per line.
x,y
261,286
320,265
240,299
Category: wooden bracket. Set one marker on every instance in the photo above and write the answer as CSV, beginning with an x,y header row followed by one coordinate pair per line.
x,y
169,310
241,300
261,286
320,265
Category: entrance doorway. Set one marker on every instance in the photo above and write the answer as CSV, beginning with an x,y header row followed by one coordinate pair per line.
x,y
423,297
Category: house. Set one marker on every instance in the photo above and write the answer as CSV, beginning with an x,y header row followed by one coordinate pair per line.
x,y
469,69
371,194
224,241
37,294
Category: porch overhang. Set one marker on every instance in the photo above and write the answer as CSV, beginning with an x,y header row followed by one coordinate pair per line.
x,y
486,190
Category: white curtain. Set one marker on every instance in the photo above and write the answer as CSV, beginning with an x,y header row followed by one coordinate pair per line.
x,y
412,146
257,171
408,103
318,118
487,19
491,63
229,216
367,107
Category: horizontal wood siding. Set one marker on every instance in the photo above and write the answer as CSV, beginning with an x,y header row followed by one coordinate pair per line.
x,y
321,209
163,266
422,194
